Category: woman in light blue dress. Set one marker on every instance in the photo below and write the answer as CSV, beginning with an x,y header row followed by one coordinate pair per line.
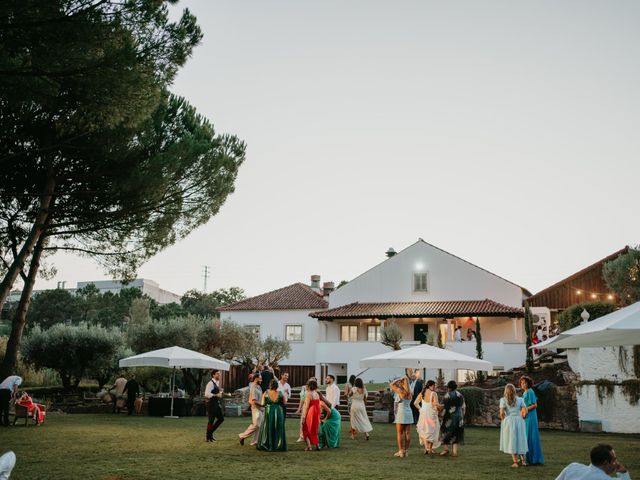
x,y
534,455
513,431
404,415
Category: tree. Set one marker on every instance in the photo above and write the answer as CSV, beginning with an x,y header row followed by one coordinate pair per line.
x,y
88,164
528,333
479,352
391,335
571,316
271,351
622,276
72,351
196,302
51,307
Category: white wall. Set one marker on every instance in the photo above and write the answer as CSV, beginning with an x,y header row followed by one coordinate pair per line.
x,y
449,278
272,322
615,413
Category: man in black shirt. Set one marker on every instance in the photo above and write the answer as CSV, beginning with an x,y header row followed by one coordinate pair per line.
x,y
132,389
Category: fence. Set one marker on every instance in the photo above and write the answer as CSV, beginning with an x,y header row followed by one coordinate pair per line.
x,y
238,375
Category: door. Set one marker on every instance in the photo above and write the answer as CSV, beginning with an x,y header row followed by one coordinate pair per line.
x,y
420,332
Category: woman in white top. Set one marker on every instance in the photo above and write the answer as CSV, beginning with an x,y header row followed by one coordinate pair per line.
x,y
428,425
358,411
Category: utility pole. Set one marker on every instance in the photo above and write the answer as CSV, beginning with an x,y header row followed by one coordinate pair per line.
x,y
206,276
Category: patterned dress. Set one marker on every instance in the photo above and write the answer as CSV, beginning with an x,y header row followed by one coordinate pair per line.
x,y
453,418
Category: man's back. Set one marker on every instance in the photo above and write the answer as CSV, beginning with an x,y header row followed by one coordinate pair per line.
x,y
578,471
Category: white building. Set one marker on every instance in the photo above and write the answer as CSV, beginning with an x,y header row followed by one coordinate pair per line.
x,y
426,290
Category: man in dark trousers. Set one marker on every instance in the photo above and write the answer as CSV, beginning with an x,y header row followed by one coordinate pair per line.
x,y
267,375
213,394
132,389
416,385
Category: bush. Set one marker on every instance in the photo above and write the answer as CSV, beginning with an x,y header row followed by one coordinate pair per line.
x,y
74,351
473,401
570,317
391,335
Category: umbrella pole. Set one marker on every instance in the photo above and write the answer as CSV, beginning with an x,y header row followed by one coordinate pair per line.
x,y
171,386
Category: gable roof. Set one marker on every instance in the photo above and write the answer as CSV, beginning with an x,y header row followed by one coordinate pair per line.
x,y
294,297
437,309
420,240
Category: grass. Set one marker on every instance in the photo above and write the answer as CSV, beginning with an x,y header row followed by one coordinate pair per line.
x,y
112,447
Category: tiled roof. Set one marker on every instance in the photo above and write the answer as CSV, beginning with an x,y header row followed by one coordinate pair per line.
x,y
441,309
294,297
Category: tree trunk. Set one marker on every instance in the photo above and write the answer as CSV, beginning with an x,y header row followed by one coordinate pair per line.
x,y
32,239
20,320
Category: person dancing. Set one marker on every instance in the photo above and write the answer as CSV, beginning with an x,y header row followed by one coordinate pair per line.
x,y
255,401
404,415
358,410
272,436
329,430
213,394
534,455
311,414
428,425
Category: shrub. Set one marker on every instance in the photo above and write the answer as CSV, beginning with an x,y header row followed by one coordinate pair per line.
x,y
473,400
391,335
570,317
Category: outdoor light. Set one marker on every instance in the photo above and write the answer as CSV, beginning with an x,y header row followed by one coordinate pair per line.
x,y
579,292
585,316
610,297
593,295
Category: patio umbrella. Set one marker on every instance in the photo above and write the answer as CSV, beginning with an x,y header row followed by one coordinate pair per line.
x,y
174,357
618,328
425,356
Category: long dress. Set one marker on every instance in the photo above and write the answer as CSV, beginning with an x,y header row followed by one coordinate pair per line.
x,y
272,436
428,425
404,415
453,418
513,431
534,455
358,412
329,431
312,419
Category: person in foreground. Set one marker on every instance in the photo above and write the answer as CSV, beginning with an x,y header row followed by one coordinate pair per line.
x,y
534,454
404,415
8,392
428,425
453,419
603,463
358,410
7,463
513,431
329,431
272,436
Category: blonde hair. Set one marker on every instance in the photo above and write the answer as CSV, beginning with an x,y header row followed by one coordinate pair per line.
x,y
510,394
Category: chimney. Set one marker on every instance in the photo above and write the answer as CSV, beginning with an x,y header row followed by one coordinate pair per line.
x,y
327,288
390,253
315,283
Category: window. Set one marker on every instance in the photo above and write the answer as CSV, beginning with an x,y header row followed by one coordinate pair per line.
x,y
373,333
419,282
293,333
349,333
255,329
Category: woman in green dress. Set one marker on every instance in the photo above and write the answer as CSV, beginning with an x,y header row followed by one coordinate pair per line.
x,y
272,435
329,431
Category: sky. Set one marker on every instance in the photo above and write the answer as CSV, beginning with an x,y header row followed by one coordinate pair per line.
x,y
503,132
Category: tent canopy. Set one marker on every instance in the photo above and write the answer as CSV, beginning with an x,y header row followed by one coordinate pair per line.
x,y
171,357
618,328
425,356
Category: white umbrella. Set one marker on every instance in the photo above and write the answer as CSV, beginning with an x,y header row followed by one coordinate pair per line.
x,y
618,328
174,357
425,356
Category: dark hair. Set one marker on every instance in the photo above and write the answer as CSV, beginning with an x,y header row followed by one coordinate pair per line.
x,y
273,384
312,385
332,377
526,379
452,385
358,383
426,386
601,454
352,380
256,375
214,371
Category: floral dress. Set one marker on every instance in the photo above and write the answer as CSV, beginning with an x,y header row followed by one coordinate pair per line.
x,y
453,419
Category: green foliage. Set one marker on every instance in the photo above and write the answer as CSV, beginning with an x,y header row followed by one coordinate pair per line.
x,y
271,351
473,397
570,317
480,375
73,351
528,333
391,335
631,389
604,388
30,376
195,302
622,276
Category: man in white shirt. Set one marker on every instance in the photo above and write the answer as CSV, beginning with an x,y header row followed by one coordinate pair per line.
x,y
284,387
255,399
603,464
8,391
333,392
457,335
212,395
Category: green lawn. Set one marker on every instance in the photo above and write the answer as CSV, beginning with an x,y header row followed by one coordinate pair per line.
x,y
120,447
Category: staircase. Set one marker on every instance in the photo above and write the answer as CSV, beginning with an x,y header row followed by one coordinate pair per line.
x,y
547,358
293,402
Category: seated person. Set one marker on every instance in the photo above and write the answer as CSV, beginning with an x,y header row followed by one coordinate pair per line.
x,y
604,463
35,409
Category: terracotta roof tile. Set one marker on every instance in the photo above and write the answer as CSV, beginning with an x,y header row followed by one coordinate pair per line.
x,y
294,297
440,309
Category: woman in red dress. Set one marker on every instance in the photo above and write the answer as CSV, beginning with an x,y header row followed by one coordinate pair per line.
x,y
35,409
311,413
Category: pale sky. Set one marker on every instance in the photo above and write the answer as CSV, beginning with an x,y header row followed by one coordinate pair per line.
x,y
503,132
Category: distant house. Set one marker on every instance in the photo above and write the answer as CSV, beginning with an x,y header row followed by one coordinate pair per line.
x,y
427,291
